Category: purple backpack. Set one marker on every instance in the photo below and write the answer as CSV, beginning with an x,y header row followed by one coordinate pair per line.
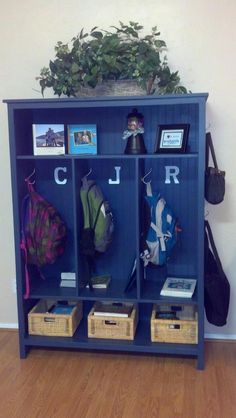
x,y
43,233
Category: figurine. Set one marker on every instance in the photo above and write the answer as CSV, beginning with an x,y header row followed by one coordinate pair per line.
x,y
135,142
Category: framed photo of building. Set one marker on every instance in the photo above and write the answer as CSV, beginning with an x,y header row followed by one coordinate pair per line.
x,y
48,139
172,138
82,139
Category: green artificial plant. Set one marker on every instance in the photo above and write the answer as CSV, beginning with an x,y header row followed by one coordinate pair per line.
x,y
101,55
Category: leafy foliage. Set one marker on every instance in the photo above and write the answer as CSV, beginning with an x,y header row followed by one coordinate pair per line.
x,y
102,55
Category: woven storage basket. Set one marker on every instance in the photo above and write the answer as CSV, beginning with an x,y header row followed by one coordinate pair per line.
x,y
113,88
113,327
41,322
183,331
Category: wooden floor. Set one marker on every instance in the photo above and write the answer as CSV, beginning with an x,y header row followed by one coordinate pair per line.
x,y
71,384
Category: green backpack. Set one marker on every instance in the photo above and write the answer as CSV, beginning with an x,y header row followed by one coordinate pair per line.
x,y
98,225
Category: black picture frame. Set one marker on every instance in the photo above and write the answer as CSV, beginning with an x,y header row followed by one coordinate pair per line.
x,y
172,138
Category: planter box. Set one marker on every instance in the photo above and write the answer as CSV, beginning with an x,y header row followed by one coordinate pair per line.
x,y
113,88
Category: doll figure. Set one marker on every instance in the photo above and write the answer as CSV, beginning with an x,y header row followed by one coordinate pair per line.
x,y
133,134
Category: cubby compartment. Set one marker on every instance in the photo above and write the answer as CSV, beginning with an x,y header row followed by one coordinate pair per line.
x,y
53,181
116,177
176,180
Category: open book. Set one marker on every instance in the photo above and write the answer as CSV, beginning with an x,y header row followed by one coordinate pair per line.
x,y
113,309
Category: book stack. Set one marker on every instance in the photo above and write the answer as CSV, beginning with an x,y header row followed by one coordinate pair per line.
x,y
100,282
68,279
62,309
175,312
114,309
178,287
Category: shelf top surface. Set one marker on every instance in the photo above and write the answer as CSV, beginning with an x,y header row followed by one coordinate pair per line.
x,y
109,100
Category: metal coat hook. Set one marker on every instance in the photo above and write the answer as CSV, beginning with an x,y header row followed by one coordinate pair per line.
x,y
27,179
85,178
143,178
90,171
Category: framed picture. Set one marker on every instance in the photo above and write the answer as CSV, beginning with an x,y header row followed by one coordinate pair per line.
x,y
48,139
172,138
82,139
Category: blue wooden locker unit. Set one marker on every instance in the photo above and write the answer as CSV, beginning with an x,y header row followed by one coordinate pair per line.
x,y
58,179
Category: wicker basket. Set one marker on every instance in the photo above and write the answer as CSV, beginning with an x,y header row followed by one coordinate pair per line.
x,y
183,330
43,323
113,88
113,327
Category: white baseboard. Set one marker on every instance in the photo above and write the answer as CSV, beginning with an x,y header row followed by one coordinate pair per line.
x,y
220,336
9,326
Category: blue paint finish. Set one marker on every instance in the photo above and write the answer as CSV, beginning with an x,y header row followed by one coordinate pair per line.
x,y
186,199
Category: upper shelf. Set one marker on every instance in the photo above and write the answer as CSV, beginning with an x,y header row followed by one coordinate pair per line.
x,y
109,115
108,156
167,99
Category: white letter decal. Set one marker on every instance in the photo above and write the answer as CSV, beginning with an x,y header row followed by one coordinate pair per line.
x,y
171,171
56,171
117,180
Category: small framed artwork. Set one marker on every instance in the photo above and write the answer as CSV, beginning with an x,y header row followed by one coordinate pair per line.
x,y
82,139
48,139
172,138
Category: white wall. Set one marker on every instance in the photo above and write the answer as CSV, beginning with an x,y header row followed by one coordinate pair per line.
x,y
201,38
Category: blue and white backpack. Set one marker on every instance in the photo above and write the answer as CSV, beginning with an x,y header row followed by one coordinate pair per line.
x,y
160,231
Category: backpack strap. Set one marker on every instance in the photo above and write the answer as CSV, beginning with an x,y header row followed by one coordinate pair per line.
x,y
148,188
145,255
89,209
156,226
27,279
88,204
25,213
23,244
89,259
161,236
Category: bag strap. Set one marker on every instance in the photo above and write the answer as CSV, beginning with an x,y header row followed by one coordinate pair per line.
x,y
26,215
89,260
23,245
93,226
213,247
88,204
148,188
210,147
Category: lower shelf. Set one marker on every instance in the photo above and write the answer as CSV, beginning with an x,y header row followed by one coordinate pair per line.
x,y
142,342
